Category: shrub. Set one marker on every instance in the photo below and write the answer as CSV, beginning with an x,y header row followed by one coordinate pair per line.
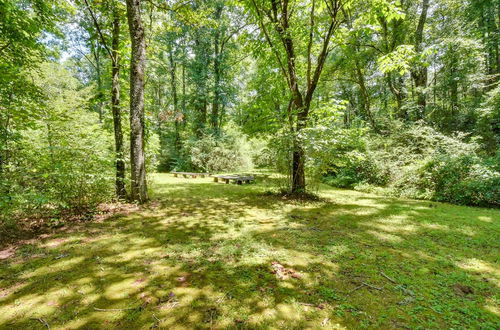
x,y
229,152
365,170
262,155
415,161
62,162
488,123
462,179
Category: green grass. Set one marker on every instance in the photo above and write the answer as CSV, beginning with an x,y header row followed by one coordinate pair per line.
x,y
201,256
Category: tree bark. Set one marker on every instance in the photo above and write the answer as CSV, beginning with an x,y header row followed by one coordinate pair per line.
x,y
113,53
214,118
279,15
115,106
137,66
183,100
173,86
200,72
97,58
419,74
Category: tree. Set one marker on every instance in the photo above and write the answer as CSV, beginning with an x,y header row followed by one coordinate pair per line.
x,y
23,25
138,190
281,23
113,53
419,73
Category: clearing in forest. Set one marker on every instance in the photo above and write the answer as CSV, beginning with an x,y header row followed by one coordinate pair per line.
x,y
205,255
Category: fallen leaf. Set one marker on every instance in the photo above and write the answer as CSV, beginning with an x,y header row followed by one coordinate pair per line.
x,y
283,273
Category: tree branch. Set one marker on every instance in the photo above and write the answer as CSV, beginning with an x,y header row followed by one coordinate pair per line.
x,y
309,45
269,41
96,24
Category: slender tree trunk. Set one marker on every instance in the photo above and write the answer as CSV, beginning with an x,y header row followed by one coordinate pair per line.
x,y
395,84
298,109
97,58
298,168
216,100
137,65
453,89
419,74
365,97
398,95
173,86
183,101
201,64
217,75
115,106
5,136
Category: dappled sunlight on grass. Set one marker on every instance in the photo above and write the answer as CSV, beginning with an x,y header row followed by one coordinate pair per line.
x,y
482,267
485,219
202,255
383,236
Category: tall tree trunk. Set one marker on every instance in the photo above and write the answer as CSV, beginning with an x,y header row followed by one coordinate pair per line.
x,y
364,96
453,89
200,70
183,101
138,191
115,106
214,118
97,57
419,74
298,168
298,109
173,86
395,84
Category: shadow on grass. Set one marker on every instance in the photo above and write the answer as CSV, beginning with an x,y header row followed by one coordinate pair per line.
x,y
201,257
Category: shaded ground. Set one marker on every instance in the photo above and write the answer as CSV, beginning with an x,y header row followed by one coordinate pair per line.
x,y
207,255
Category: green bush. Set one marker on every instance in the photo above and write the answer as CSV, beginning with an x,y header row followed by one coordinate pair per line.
x,y
364,170
62,162
229,152
415,162
460,180
341,157
262,155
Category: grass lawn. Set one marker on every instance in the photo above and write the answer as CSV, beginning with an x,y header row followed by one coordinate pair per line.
x,y
208,255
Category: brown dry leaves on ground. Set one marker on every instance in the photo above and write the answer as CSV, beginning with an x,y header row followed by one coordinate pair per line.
x,y
283,273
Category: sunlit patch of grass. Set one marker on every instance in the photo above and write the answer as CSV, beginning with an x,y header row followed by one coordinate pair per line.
x,y
201,254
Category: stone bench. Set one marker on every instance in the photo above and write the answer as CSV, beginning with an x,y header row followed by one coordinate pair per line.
x,y
238,179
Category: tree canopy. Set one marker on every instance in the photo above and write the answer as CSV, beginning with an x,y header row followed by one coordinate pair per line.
x,y
220,85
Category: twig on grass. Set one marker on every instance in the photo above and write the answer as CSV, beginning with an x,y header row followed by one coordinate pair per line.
x,y
64,255
367,285
42,321
356,288
156,324
387,277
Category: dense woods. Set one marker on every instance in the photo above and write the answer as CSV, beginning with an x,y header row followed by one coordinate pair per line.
x,y
249,164
395,97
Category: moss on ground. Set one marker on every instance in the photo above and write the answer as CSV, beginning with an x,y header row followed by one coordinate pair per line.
x,y
207,255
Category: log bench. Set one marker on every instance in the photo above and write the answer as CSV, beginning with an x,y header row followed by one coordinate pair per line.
x,y
238,179
188,174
